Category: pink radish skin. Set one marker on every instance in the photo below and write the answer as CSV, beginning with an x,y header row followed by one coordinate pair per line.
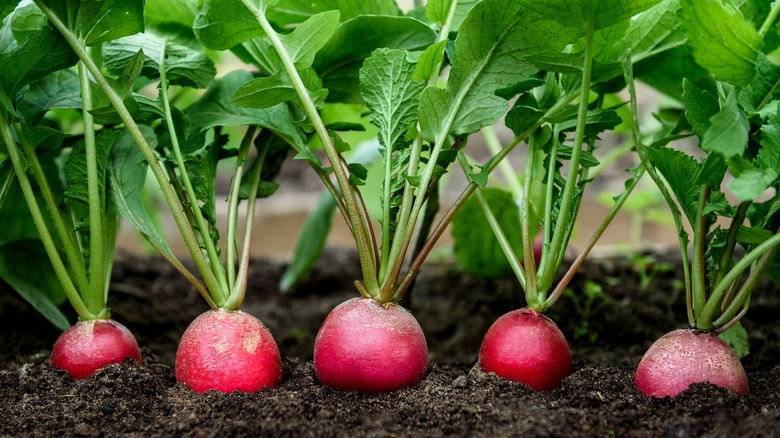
x,y
90,345
685,356
369,347
527,347
228,351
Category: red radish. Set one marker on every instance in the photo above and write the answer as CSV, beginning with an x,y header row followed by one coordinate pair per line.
x,y
90,345
687,356
228,351
370,347
527,347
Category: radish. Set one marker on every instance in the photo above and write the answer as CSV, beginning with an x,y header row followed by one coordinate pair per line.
x,y
687,356
370,347
88,346
228,351
527,347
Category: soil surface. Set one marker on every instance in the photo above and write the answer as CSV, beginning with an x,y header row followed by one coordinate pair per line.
x,y
454,399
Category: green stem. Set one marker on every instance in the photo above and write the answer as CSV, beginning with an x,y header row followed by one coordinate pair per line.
x,y
239,290
407,213
177,212
203,227
233,199
770,19
766,252
525,224
698,280
355,217
84,313
503,242
72,249
561,286
731,241
544,263
659,182
5,187
567,197
404,211
94,296
494,146
438,231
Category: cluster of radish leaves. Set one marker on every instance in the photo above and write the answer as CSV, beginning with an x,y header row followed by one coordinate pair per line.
x,y
561,150
730,241
62,190
182,148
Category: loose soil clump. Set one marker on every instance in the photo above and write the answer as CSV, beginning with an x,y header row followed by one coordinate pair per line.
x,y
454,399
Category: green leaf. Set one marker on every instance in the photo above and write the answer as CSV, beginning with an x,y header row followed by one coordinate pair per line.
x,y
681,172
222,24
116,19
171,11
429,60
102,20
491,53
752,183
266,92
357,174
476,248
721,40
307,39
578,12
201,166
27,20
598,121
390,94
76,167
215,109
184,64
524,114
25,266
700,107
665,71
437,11
769,155
766,85
14,213
737,338
338,63
41,53
728,131
753,235
60,89
311,240
297,11
5,9
127,172
652,28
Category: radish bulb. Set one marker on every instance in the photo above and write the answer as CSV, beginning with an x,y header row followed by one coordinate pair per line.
x,y
686,356
527,347
228,351
370,347
88,346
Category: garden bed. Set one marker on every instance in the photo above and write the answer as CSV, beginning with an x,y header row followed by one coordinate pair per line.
x,y
454,399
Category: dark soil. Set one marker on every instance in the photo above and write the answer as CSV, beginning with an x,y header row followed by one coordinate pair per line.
x,y
454,399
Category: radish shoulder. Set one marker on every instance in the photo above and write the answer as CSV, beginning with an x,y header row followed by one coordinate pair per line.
x,y
685,356
370,347
527,347
88,346
228,351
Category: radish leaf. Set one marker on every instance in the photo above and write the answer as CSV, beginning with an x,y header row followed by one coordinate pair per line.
x,y
721,40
